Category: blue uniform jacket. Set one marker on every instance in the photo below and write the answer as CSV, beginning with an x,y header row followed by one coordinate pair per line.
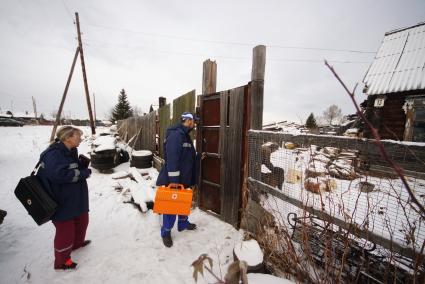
x,y
64,177
181,161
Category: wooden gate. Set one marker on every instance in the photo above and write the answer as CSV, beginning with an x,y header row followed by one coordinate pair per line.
x,y
222,136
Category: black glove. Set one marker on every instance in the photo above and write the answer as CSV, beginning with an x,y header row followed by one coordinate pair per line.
x,y
84,161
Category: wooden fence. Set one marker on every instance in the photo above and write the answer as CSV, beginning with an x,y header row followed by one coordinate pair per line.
x,y
148,132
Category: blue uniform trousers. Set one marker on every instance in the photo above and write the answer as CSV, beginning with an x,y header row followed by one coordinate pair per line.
x,y
168,223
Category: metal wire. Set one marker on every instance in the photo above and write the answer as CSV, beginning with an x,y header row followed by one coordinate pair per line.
x,y
333,180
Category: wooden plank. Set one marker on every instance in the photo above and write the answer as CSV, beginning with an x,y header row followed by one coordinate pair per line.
x,y
164,123
199,148
233,163
256,186
388,170
222,144
183,103
151,127
245,151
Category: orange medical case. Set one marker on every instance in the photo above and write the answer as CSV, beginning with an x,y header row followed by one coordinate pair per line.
x,y
173,200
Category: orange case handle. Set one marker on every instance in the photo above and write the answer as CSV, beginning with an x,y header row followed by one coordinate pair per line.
x,y
175,186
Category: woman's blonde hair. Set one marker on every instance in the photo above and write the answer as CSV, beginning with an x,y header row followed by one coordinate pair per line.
x,y
66,131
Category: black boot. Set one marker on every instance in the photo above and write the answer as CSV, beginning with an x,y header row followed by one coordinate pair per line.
x,y
86,243
189,227
168,241
68,265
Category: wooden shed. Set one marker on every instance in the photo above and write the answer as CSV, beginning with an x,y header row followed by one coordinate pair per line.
x,y
395,86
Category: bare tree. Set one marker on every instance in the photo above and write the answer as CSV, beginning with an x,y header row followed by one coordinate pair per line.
x,y
331,113
137,111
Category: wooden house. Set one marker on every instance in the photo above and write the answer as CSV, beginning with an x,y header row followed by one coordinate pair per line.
x,y
395,86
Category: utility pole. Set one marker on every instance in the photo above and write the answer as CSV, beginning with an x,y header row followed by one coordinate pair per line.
x,y
94,107
83,66
58,115
35,109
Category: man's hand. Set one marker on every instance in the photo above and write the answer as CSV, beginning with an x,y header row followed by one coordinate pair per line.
x,y
203,155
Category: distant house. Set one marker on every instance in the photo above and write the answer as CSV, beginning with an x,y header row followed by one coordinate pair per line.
x,y
286,127
26,115
395,86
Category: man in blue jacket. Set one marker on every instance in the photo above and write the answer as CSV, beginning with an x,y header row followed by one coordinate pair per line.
x,y
181,167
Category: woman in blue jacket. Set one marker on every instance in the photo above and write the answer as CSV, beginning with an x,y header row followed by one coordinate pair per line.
x,y
64,176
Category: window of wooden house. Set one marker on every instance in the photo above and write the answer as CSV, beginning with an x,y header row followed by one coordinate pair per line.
x,y
419,125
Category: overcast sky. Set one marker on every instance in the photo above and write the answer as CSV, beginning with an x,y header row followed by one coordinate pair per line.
x,y
156,48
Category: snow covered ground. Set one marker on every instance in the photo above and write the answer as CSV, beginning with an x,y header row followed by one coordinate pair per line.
x,y
126,246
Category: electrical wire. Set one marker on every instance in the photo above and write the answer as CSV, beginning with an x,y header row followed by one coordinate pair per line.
x,y
321,61
230,42
67,10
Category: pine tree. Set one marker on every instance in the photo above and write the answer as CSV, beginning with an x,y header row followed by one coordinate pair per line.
x,y
122,109
311,122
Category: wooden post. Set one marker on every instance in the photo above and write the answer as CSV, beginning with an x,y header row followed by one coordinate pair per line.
x,y
209,77
83,66
257,86
94,109
35,109
58,115
162,102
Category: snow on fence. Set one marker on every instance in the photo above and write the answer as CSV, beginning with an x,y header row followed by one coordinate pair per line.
x,y
336,198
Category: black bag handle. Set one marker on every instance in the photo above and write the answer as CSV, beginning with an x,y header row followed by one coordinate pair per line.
x,y
36,167
42,154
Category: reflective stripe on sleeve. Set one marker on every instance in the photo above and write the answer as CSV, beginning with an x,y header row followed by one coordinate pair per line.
x,y
76,175
73,166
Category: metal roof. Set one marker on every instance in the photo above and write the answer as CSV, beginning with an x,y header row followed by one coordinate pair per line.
x,y
399,65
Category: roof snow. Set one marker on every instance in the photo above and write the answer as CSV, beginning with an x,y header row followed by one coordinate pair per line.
x,y
398,64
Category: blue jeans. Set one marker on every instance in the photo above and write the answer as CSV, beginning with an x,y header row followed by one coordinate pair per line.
x,y
168,223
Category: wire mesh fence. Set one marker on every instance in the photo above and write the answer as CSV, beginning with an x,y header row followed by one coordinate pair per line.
x,y
350,223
